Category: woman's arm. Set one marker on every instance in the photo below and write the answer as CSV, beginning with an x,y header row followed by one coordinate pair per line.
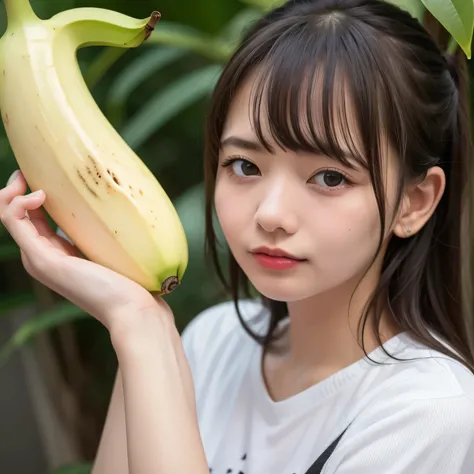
x,y
112,452
162,429
159,406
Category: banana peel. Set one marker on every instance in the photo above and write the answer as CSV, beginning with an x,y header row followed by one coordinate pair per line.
x,y
98,191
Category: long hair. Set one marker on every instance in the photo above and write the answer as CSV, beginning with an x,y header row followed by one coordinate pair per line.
x,y
403,88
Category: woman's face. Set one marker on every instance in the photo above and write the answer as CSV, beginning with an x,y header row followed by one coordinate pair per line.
x,y
310,206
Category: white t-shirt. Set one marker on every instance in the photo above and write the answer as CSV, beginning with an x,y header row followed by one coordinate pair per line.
x,y
412,417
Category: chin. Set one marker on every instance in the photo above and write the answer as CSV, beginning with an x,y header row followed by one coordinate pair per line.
x,y
282,288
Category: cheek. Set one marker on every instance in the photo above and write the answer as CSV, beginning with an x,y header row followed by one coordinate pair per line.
x,y
230,207
348,234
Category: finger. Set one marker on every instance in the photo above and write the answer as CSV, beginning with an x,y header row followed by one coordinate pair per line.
x,y
38,219
17,223
13,177
16,185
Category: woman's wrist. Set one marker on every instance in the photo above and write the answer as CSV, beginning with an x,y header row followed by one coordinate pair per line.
x,y
136,333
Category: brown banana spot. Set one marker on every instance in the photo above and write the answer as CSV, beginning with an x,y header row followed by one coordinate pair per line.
x,y
86,185
111,173
94,164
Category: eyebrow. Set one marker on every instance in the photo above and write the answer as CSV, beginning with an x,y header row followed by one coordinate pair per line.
x,y
243,143
251,145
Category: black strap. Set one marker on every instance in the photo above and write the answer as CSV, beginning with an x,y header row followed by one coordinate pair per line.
x,y
318,465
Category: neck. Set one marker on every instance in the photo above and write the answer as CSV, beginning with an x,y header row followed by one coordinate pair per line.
x,y
324,334
18,11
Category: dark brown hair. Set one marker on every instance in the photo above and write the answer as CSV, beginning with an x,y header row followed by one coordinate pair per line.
x,y
402,86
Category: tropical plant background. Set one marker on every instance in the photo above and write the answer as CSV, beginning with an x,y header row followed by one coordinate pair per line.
x,y
156,97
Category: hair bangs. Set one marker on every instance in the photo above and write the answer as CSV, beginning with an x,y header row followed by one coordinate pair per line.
x,y
305,96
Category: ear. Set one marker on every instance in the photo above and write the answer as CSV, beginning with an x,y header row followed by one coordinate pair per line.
x,y
420,202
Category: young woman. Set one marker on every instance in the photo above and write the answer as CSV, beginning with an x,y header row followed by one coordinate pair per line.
x,y
337,160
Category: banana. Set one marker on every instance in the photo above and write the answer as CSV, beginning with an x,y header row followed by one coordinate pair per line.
x,y
98,191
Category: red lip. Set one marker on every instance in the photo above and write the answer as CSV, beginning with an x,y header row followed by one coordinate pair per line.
x,y
275,259
275,253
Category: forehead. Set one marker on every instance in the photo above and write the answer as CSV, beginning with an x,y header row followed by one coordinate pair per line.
x,y
239,114
296,118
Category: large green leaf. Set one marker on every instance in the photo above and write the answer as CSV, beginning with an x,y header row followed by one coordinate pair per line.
x,y
169,102
457,16
134,74
62,313
182,36
414,7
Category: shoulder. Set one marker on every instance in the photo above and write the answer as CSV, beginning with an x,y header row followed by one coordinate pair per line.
x,y
417,416
425,435
420,377
423,373
218,328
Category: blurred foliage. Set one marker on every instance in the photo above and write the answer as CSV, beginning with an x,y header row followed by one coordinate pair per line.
x,y
156,97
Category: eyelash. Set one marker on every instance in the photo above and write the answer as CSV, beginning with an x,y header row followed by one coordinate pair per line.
x,y
227,163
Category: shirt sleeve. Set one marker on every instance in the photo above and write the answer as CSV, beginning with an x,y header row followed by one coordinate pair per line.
x,y
433,436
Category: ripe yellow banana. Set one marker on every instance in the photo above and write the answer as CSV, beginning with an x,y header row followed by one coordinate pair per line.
x,y
98,191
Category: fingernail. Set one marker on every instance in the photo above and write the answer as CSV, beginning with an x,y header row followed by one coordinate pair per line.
x,y
36,193
13,176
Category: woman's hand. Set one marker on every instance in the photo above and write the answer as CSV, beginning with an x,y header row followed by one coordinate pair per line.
x,y
116,301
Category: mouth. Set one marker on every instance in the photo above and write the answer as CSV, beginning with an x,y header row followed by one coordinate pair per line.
x,y
275,259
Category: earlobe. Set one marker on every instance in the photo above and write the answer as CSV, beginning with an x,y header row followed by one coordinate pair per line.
x,y
420,202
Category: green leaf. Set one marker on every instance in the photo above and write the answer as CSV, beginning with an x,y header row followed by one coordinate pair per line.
x,y
182,36
85,468
190,207
457,16
414,7
134,74
169,102
62,313
101,64
234,30
264,5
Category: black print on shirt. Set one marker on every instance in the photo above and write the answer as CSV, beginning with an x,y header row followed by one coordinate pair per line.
x,y
316,467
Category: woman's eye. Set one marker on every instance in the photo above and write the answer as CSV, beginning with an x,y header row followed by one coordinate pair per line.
x,y
244,168
330,179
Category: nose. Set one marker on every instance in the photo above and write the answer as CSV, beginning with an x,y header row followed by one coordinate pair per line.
x,y
277,209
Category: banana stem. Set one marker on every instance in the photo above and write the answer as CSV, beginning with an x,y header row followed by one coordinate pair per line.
x,y
100,27
19,11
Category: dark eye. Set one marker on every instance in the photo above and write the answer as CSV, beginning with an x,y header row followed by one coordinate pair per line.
x,y
244,168
330,179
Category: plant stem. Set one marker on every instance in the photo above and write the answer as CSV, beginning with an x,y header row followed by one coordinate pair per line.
x,y
19,11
